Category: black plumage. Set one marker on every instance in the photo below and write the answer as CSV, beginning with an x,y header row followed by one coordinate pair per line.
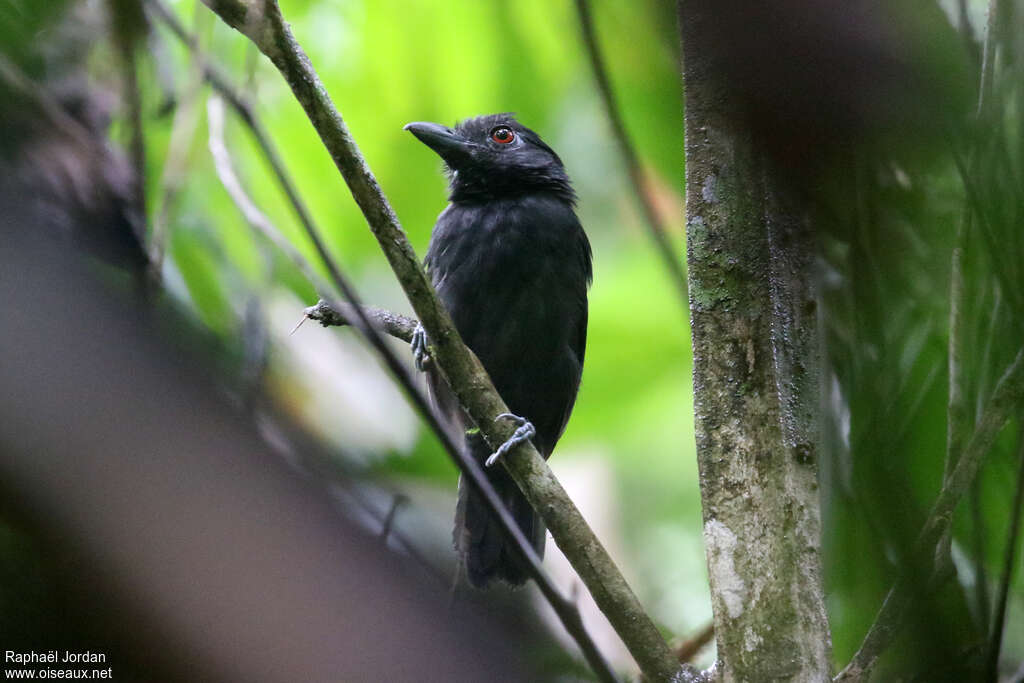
x,y
512,264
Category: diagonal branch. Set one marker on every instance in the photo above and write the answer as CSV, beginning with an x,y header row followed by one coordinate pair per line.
x,y
12,77
1005,402
655,226
254,217
397,326
566,609
261,21
128,24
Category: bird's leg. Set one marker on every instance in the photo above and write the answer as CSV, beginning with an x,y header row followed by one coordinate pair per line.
x,y
524,432
419,348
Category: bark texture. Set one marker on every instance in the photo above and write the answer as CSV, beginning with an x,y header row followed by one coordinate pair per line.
x,y
755,345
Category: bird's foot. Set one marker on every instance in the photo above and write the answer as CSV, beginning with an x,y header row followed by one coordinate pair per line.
x,y
419,348
524,432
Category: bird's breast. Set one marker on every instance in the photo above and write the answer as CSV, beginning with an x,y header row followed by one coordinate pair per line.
x,y
513,265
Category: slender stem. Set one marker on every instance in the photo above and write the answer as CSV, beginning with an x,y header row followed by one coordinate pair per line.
x,y
339,314
389,519
124,28
257,219
655,226
964,25
43,103
956,408
262,22
988,57
179,151
986,354
1009,562
692,646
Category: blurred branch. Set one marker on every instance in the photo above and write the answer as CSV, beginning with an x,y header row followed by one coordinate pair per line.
x,y
389,519
262,22
183,129
964,26
1009,561
174,173
993,34
222,85
957,422
1006,401
655,226
986,222
163,65
692,646
956,408
340,314
15,79
128,23
256,218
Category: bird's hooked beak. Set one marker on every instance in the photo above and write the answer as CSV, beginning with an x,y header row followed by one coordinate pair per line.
x,y
448,144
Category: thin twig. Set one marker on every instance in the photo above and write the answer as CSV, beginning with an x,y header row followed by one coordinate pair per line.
x,y
125,40
389,519
986,224
986,354
13,77
655,226
293,63
179,149
692,646
1009,562
956,407
988,57
340,314
256,218
261,21
222,85
1006,401
964,26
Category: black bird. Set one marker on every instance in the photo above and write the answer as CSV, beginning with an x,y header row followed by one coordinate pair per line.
x,y
512,264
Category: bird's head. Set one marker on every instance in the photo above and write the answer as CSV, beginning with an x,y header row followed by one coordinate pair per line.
x,y
491,157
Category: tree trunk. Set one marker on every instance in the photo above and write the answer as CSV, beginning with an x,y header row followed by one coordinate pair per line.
x,y
756,384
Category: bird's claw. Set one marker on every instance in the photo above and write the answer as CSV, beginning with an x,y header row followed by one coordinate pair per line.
x,y
419,348
524,432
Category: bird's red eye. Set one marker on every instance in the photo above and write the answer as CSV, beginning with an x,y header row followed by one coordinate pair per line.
x,y
503,135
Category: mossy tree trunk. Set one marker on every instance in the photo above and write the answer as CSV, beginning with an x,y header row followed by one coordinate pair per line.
x,y
756,385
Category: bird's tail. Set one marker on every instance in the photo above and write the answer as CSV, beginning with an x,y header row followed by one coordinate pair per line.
x,y
478,536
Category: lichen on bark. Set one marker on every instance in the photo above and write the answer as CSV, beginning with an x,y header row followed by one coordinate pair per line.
x,y
754,327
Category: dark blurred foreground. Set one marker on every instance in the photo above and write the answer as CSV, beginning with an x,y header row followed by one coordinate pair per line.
x,y
147,520
144,516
